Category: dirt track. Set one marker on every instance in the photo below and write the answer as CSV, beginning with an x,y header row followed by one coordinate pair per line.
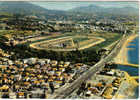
x,y
100,40
93,44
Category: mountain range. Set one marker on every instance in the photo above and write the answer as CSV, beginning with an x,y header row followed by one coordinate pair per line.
x,y
101,10
27,8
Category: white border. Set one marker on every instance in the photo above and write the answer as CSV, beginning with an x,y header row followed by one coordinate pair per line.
x,y
83,1
71,0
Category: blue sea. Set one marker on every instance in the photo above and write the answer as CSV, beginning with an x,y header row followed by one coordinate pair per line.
x,y
133,58
133,54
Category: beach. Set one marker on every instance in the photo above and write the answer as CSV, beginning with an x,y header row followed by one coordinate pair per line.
x,y
122,57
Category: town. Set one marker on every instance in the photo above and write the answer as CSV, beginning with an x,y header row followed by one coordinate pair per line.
x,y
73,54
48,76
17,77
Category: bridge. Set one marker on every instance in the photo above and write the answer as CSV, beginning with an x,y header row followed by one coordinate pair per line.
x,y
135,77
128,64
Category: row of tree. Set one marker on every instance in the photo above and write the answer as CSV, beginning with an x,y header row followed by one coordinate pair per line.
x,y
23,51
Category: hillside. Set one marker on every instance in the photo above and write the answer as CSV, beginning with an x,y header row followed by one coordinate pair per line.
x,y
26,8
101,10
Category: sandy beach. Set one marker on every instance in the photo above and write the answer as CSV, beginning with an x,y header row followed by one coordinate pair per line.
x,y
122,57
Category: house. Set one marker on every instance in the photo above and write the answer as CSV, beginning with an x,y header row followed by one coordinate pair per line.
x,y
47,61
62,69
41,62
53,62
31,61
66,64
110,73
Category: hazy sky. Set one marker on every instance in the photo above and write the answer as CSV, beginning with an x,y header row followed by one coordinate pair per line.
x,y
70,5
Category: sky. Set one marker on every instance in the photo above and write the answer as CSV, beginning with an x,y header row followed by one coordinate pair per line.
x,y
70,5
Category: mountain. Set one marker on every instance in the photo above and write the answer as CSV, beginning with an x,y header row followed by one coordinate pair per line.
x,y
26,8
101,10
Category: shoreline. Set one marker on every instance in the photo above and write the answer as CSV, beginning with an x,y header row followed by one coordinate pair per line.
x,y
122,57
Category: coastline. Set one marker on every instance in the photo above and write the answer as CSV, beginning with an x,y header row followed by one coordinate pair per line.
x,y
122,57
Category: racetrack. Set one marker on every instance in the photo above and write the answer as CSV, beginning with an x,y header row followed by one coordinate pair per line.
x,y
83,43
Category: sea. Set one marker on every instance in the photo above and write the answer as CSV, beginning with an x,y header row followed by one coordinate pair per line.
x,y
133,58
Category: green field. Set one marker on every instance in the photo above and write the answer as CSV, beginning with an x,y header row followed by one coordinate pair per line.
x,y
71,43
78,39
